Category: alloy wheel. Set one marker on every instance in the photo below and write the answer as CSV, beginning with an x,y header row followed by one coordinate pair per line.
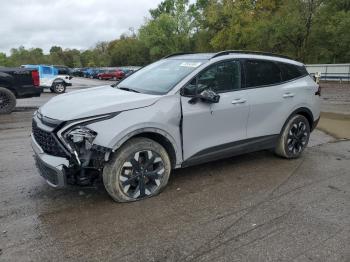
x,y
142,174
297,137
59,88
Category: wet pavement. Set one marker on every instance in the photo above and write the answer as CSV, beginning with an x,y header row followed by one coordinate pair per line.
x,y
254,207
335,117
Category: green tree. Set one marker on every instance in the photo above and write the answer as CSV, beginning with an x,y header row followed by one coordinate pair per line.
x,y
128,50
3,59
87,58
56,55
169,30
331,34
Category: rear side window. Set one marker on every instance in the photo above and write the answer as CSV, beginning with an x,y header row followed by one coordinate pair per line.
x,y
261,73
47,70
290,72
63,71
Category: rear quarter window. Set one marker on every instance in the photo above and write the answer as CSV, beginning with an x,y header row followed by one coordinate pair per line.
x,y
290,72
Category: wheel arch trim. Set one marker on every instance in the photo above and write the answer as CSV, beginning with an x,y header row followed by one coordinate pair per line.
x,y
304,111
176,153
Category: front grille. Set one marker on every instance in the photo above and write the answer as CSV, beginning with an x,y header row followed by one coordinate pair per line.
x,y
46,172
47,141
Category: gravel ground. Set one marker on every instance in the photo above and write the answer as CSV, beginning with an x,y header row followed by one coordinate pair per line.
x,y
254,207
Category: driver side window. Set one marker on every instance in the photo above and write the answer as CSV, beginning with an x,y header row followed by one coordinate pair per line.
x,y
221,77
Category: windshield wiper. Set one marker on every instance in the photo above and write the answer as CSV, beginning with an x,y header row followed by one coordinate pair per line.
x,y
128,89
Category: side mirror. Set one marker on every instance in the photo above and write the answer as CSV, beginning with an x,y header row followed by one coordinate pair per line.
x,y
206,96
209,96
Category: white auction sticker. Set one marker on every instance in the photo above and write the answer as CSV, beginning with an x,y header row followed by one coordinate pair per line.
x,y
190,64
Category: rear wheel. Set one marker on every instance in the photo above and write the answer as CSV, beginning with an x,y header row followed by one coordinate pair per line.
x,y
294,138
59,87
140,169
7,101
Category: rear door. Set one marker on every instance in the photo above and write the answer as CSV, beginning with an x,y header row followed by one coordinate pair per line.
x,y
208,128
270,99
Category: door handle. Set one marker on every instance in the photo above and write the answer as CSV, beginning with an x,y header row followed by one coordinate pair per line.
x,y
288,95
239,101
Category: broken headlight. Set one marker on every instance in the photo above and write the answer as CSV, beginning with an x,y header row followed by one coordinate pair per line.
x,y
81,137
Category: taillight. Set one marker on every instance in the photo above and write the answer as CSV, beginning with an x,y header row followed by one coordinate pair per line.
x,y
318,92
35,77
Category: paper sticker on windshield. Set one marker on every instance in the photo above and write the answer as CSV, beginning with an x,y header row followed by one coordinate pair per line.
x,y
190,64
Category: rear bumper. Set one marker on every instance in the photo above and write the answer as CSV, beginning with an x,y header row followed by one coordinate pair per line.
x,y
51,168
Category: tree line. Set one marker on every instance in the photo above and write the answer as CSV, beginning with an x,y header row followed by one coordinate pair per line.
x,y
311,31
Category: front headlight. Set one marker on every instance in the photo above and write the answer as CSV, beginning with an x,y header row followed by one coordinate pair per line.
x,y
80,136
77,138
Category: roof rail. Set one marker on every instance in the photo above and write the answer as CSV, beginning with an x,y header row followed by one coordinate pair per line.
x,y
175,54
227,52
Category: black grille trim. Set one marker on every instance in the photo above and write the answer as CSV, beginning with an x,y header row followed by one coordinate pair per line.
x,y
46,172
47,141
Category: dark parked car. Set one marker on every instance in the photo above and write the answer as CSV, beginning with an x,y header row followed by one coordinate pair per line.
x,y
77,72
17,83
63,70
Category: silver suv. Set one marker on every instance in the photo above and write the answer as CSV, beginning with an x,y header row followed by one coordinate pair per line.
x,y
182,110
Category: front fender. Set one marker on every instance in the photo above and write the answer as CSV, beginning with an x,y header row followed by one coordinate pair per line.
x,y
162,118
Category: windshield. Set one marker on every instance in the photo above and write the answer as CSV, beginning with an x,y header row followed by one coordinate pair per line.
x,y
160,77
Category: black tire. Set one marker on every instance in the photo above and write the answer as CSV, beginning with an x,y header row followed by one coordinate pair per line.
x,y
59,87
133,173
294,137
7,101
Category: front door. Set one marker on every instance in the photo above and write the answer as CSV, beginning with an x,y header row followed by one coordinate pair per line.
x,y
207,127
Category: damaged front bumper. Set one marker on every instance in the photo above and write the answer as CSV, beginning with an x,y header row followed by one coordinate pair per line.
x,y
51,168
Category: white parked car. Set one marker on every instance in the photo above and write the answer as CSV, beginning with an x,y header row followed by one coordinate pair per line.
x,y
55,78
183,110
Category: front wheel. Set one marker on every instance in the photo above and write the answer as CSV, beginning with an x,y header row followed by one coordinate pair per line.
x,y
294,137
140,169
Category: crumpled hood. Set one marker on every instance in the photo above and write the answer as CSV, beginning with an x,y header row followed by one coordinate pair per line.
x,y
94,101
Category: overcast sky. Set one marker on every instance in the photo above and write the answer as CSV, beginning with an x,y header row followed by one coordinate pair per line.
x,y
68,23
